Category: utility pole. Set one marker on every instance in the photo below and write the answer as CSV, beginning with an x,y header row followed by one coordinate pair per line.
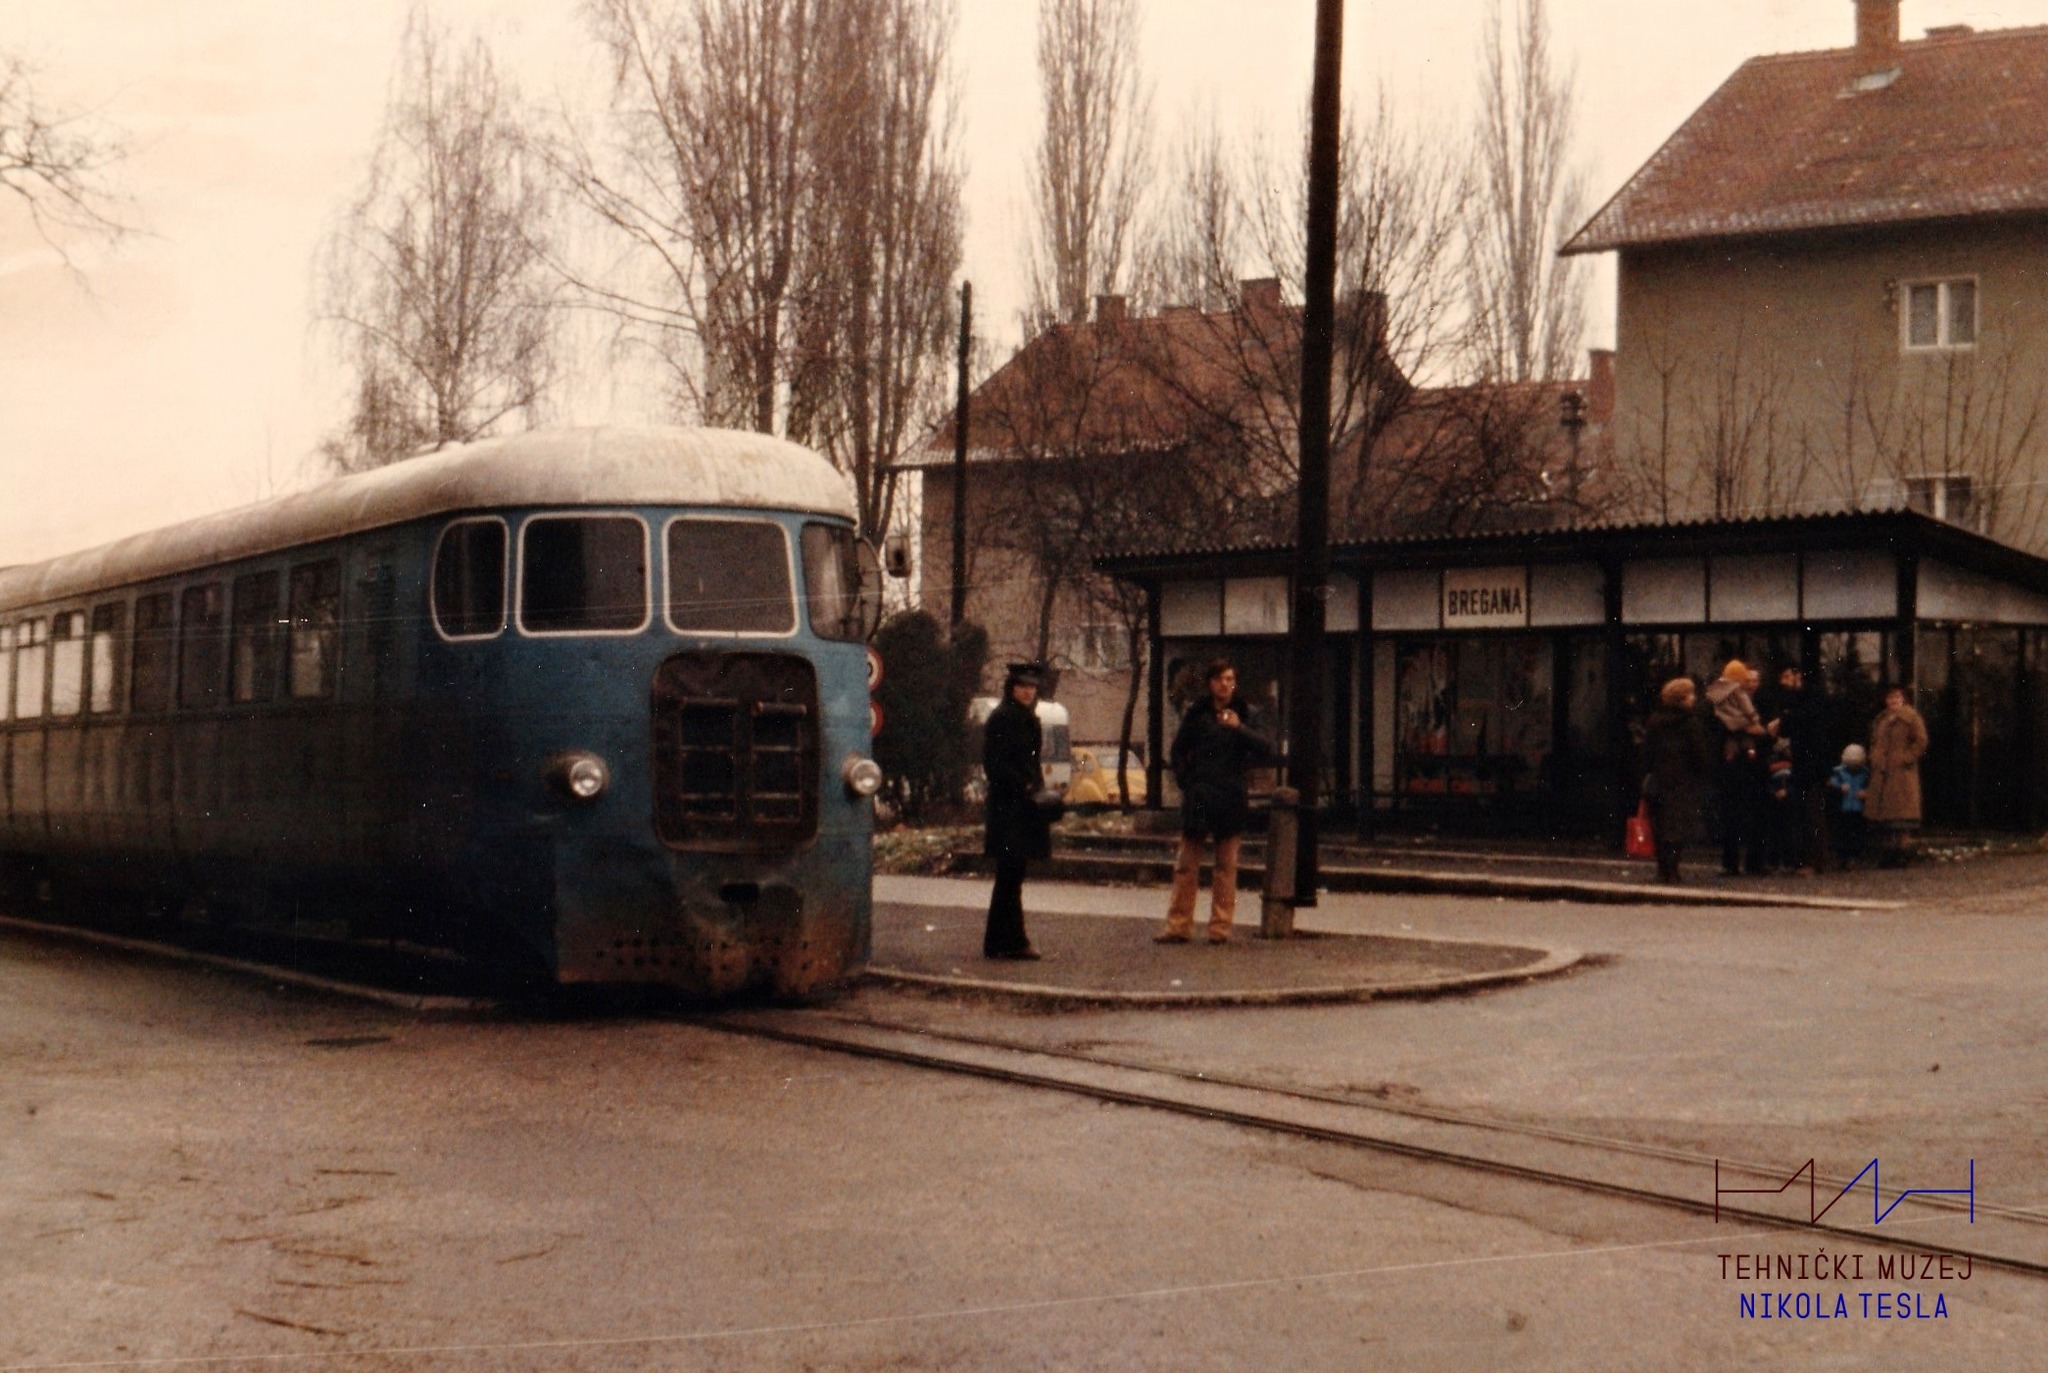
x,y
1312,544
960,461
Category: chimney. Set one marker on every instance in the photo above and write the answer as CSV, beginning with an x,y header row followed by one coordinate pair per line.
x,y
1600,390
1111,309
1877,29
1261,295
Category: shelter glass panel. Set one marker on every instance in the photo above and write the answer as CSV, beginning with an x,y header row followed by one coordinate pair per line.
x,y
1473,715
67,663
583,574
155,661
469,579
1969,694
202,644
31,664
1586,695
315,648
253,658
106,657
732,577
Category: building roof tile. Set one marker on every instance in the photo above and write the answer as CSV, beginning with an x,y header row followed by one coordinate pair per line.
x,y
1945,127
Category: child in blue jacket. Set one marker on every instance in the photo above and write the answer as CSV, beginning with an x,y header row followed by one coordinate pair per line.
x,y
1848,783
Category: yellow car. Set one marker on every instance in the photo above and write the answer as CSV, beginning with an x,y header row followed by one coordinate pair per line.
x,y
1095,779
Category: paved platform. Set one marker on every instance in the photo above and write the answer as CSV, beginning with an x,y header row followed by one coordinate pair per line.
x,y
1108,958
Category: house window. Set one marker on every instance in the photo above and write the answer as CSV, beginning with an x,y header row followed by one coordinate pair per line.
x,y
1941,314
1948,497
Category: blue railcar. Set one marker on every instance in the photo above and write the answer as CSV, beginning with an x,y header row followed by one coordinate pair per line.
x,y
589,704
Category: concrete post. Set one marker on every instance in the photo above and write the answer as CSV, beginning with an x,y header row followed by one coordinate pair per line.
x,y
1276,904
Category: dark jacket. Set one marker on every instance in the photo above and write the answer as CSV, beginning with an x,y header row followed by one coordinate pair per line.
x,y
1211,763
1009,758
1806,717
1675,761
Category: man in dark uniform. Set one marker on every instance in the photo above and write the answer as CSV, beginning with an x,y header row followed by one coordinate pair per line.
x,y
1018,830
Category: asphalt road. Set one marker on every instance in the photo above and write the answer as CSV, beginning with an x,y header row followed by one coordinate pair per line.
x,y
199,1170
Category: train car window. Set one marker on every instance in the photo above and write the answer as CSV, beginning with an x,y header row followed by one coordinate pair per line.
x,y
842,583
583,574
6,672
469,580
253,641
202,644
729,577
151,666
67,663
31,655
316,629
105,693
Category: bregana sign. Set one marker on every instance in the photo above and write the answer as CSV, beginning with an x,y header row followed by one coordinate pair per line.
x,y
1486,597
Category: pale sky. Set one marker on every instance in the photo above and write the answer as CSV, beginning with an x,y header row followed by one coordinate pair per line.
x,y
182,375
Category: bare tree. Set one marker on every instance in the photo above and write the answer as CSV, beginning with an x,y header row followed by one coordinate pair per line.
x,y
1237,366
1527,305
435,282
1094,155
710,179
876,305
1196,245
55,164
784,177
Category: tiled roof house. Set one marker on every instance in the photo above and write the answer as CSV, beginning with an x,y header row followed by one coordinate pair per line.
x,y
1178,429
1834,285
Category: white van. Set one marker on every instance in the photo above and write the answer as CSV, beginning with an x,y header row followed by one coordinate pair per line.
x,y
1056,747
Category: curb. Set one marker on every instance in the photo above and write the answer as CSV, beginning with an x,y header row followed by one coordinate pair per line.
x,y
1423,881
420,1005
1553,962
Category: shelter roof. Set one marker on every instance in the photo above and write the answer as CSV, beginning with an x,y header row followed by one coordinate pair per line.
x,y
1950,126
1896,530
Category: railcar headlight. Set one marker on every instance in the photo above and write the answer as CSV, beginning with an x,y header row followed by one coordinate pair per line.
x,y
581,775
863,776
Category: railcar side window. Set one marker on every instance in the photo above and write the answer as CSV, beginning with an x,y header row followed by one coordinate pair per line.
x,y
583,574
729,577
6,672
202,644
150,671
469,579
316,629
842,583
105,694
31,651
67,663
252,650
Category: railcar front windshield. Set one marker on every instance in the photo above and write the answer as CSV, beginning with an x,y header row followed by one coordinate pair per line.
x,y
729,576
842,583
583,574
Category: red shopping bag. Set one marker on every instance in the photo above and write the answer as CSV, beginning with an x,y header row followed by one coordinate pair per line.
x,y
1642,836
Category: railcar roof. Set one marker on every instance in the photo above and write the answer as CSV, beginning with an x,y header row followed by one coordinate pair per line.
x,y
589,467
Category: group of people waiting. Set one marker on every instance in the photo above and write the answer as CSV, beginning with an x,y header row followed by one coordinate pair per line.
x,y
1213,754
1755,766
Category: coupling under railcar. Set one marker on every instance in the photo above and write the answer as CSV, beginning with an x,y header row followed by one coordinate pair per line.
x,y
590,705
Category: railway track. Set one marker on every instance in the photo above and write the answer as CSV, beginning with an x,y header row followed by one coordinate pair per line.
x,y
2013,1239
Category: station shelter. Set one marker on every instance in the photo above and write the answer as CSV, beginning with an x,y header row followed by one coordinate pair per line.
x,y
1497,683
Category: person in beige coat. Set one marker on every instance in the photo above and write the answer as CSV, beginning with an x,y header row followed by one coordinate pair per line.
x,y
1898,740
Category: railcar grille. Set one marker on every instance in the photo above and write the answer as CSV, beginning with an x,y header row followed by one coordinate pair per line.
x,y
736,751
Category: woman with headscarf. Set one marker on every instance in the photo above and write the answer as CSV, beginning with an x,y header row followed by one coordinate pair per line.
x,y
1675,774
1891,807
